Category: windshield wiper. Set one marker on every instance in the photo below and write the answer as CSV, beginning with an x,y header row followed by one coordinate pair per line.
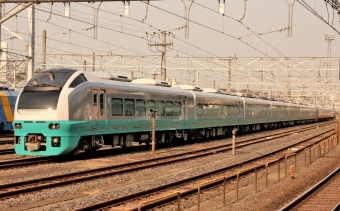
x,y
42,88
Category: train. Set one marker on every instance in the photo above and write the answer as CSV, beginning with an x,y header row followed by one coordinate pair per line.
x,y
64,111
7,104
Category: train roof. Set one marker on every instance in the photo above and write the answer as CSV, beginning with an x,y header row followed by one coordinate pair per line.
x,y
7,92
164,87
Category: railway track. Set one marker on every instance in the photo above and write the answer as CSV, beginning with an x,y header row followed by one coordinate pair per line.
x,y
14,189
6,151
185,186
323,196
4,141
102,153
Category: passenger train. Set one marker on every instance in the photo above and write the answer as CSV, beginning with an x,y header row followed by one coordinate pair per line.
x,y
7,104
62,111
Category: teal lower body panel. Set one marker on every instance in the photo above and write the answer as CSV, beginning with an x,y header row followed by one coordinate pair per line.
x,y
70,132
68,135
67,145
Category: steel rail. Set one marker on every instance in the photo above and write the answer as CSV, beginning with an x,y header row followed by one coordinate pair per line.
x,y
298,200
6,151
124,199
143,164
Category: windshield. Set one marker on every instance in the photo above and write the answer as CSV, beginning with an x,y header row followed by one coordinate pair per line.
x,y
53,79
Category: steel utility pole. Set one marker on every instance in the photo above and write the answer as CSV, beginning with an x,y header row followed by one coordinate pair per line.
x,y
31,21
329,38
229,75
261,93
164,45
153,128
43,54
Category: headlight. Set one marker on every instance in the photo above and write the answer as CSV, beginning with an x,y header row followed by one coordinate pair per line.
x,y
53,126
17,125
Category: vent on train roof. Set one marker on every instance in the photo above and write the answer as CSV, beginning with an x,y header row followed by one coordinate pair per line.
x,y
149,81
110,76
188,87
211,90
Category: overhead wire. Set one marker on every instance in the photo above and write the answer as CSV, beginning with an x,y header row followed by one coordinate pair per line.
x,y
231,36
111,30
254,34
310,9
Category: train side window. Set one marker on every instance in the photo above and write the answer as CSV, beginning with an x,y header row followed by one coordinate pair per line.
x,y
78,80
205,109
140,108
221,110
200,109
236,109
129,105
228,109
117,107
151,105
225,112
101,99
160,108
95,99
169,108
177,109
216,108
211,109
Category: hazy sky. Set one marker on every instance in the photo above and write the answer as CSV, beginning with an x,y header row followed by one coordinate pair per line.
x,y
210,33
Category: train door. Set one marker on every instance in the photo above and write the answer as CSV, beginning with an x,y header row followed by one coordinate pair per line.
x,y
99,119
102,110
95,110
185,105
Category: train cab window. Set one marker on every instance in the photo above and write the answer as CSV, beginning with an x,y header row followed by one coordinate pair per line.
x,y
101,99
117,107
129,105
160,108
177,109
205,109
78,80
200,109
140,108
169,108
151,105
211,110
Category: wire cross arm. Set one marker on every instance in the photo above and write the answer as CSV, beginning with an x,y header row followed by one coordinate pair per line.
x,y
54,1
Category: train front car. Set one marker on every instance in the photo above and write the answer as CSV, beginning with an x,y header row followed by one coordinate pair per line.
x,y
41,125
